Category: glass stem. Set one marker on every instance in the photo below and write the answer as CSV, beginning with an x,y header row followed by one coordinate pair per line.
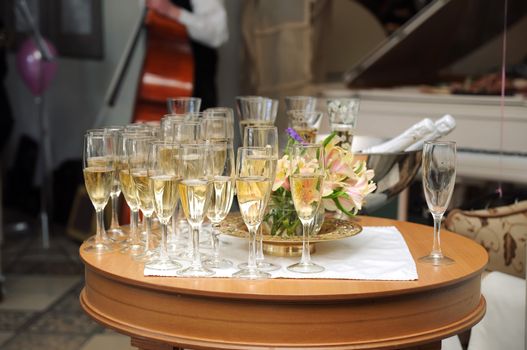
x,y
215,242
306,254
163,253
100,234
115,218
134,224
148,224
196,258
251,263
436,247
259,249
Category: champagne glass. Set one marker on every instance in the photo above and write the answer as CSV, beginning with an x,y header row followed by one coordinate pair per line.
x,y
305,123
115,232
188,132
263,136
182,105
343,113
222,172
307,177
255,111
134,245
253,187
225,113
439,177
304,103
164,177
98,170
195,191
137,150
215,128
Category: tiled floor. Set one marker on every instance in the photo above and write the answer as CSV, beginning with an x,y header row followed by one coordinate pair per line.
x,y
41,307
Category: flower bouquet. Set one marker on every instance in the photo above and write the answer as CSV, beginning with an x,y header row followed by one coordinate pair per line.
x,y
346,184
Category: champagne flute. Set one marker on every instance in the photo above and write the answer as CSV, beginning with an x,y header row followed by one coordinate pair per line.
x,y
343,114
307,177
195,191
253,186
98,170
263,136
223,174
137,150
304,103
439,177
182,105
164,177
224,113
115,232
255,111
305,123
188,132
134,245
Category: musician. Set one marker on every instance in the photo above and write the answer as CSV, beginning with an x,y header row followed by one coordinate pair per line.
x,y
206,23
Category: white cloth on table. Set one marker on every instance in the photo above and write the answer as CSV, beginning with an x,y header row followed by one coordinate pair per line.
x,y
377,253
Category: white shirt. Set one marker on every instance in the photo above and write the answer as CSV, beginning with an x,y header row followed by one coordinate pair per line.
x,y
207,23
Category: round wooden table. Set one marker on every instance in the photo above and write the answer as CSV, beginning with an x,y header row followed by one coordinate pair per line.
x,y
228,313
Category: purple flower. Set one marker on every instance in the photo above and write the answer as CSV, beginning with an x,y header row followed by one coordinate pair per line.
x,y
292,133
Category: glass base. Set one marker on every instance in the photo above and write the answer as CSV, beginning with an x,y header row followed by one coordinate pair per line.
x,y
133,249
99,248
251,274
162,265
196,272
305,267
116,234
262,266
437,260
146,256
218,264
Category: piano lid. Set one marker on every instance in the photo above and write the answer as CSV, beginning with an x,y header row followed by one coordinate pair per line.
x,y
440,34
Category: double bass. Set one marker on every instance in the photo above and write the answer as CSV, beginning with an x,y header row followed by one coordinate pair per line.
x,y
168,71
168,68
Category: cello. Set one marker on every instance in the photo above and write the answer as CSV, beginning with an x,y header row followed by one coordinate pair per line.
x,y
167,71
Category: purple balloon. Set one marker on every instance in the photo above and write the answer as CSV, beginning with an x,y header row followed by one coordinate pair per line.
x,y
36,73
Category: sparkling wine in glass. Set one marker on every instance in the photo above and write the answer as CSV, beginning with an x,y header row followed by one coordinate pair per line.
x,y
306,180
134,245
164,177
138,149
263,136
115,232
223,175
254,177
98,170
195,190
223,113
439,177
255,111
305,123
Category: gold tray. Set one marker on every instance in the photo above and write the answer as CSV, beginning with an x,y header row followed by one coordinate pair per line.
x,y
332,229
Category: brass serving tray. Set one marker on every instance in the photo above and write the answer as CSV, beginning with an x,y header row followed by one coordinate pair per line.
x,y
332,229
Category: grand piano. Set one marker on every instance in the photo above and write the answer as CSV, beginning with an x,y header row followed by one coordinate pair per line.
x,y
446,38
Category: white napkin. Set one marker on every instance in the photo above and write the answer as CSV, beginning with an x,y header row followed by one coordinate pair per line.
x,y
377,253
